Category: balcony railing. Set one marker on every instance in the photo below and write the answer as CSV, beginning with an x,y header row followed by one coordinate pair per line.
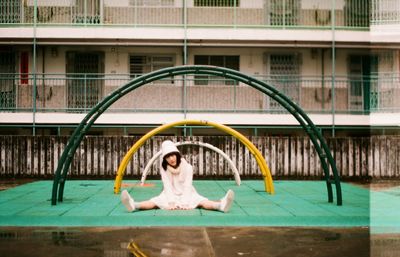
x,y
385,12
232,13
77,93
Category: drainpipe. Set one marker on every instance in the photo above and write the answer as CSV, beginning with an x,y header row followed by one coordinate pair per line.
x,y
184,97
333,67
323,78
34,70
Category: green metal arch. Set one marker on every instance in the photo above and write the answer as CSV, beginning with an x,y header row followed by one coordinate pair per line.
x,y
320,145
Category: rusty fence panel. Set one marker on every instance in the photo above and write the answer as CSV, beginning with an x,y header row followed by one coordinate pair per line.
x,y
294,157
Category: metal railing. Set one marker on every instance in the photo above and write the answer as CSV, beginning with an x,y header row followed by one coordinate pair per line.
x,y
78,93
233,13
385,12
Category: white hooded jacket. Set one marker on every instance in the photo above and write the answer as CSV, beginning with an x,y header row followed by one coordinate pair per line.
x,y
178,191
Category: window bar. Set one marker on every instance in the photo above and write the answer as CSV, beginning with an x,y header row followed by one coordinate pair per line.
x,y
185,55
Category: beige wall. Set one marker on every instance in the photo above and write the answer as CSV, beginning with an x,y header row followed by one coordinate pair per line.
x,y
52,92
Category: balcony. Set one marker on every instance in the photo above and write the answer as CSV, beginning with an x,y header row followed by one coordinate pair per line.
x,y
78,93
204,13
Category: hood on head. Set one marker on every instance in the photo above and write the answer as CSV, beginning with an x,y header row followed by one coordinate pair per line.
x,y
168,147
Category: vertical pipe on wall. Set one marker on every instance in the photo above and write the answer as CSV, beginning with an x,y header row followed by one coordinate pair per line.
x,y
333,67
34,70
185,56
323,78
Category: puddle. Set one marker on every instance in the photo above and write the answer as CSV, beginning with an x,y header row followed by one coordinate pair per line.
x,y
197,241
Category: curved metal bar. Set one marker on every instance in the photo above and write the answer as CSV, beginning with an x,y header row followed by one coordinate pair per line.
x,y
306,123
207,145
269,187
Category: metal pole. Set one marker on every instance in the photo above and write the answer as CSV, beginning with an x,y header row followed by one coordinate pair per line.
x,y
34,70
323,79
333,67
184,97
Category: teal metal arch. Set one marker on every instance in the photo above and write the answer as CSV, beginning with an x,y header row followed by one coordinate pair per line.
x,y
318,141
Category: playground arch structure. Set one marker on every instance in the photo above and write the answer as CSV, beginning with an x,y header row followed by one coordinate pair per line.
x,y
236,174
322,149
269,187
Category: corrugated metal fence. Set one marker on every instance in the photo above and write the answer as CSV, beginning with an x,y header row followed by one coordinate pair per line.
x,y
375,156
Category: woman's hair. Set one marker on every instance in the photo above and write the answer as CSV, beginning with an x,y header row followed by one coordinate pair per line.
x,y
164,163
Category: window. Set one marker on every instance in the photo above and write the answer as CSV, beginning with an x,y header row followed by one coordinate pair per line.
x,y
141,64
284,65
357,13
284,70
85,82
217,3
360,68
227,61
10,11
7,82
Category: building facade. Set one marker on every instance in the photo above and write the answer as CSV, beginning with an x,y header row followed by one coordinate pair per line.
x,y
338,60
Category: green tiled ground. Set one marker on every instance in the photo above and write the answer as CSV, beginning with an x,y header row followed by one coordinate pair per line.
x,y
296,203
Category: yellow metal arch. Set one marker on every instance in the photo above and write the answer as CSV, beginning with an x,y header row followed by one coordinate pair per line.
x,y
269,187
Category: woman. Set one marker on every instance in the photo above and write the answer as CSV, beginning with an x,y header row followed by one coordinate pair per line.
x,y
178,192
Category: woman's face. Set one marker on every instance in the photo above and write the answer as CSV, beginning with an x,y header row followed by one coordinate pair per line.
x,y
171,159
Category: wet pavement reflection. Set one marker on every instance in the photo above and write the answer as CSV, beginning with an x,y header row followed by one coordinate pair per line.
x,y
197,241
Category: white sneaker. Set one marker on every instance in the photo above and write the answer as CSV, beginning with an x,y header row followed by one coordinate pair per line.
x,y
226,202
128,201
